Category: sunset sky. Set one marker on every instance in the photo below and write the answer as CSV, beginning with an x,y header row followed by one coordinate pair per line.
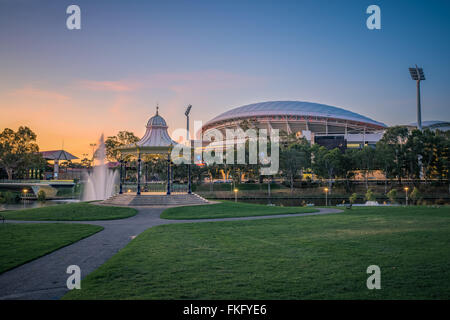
x,y
70,86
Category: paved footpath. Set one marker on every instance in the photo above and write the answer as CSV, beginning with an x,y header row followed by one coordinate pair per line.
x,y
45,277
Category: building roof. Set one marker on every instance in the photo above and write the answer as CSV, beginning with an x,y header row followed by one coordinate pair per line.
x,y
156,137
301,108
156,134
156,120
431,123
57,155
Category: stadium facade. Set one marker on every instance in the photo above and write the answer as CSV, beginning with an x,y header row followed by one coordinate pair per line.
x,y
323,124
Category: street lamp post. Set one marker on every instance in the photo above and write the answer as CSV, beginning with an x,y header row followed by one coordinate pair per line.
x,y
168,173
125,172
24,197
188,110
326,197
406,194
235,194
268,189
139,174
121,181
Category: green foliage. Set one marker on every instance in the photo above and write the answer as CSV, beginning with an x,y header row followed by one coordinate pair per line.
x,y
415,194
392,195
370,196
41,196
19,151
327,163
65,192
353,198
294,158
8,197
122,138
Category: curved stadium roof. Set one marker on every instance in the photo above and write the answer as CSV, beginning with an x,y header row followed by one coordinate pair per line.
x,y
300,108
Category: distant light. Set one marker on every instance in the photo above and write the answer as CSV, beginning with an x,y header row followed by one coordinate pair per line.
x,y
236,190
406,188
25,190
129,190
326,189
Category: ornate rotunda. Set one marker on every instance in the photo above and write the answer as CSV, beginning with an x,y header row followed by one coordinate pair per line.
x,y
156,141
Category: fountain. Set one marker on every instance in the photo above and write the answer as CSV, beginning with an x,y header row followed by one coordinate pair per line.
x,y
101,183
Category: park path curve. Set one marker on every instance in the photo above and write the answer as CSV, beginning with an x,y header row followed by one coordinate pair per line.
x,y
45,277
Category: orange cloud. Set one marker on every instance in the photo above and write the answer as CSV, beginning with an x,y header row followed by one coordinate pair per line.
x,y
35,93
114,86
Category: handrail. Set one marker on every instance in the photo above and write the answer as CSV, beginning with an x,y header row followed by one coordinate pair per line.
x,y
37,181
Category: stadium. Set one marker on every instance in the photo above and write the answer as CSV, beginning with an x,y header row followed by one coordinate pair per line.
x,y
323,124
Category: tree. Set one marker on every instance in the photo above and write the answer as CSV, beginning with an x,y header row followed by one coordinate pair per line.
x,y
366,162
293,159
85,162
353,198
326,163
41,196
395,138
370,196
392,195
415,195
18,149
385,161
413,150
441,166
347,167
113,142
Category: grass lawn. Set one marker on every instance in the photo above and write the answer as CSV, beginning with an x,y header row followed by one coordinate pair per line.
x,y
20,243
229,209
71,212
312,257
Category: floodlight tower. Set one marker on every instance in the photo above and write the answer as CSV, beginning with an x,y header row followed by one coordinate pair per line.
x,y
186,113
418,75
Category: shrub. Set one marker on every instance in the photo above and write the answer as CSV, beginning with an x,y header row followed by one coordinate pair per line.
x,y
370,195
353,198
422,202
415,195
41,196
392,195
9,197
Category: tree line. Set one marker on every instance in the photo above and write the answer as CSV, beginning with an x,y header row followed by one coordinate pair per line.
x,y
400,154
19,152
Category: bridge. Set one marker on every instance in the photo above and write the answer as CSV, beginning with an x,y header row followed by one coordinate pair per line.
x,y
49,186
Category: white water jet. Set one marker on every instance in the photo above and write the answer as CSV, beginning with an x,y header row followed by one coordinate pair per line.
x,y
101,183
